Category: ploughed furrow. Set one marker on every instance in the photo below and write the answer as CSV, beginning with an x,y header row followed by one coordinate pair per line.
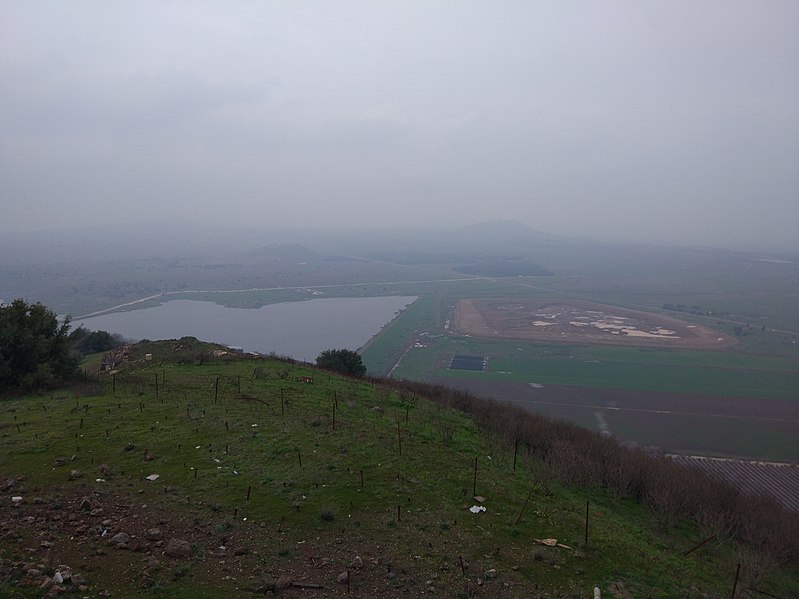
x,y
777,480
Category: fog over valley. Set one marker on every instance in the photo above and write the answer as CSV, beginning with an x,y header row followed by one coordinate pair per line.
x,y
650,122
399,298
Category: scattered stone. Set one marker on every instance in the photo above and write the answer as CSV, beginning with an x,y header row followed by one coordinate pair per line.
x,y
152,477
241,551
149,457
58,578
178,548
344,577
479,498
73,474
85,504
357,563
154,534
16,499
59,462
490,574
120,538
152,563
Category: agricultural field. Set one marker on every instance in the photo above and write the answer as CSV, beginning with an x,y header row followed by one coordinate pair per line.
x,y
713,403
650,388
684,423
780,481
205,473
578,321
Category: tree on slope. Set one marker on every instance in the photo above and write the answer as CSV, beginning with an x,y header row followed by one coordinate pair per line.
x,y
344,361
34,347
86,342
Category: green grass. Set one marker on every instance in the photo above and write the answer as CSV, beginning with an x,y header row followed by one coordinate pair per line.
x,y
381,352
729,373
644,377
237,443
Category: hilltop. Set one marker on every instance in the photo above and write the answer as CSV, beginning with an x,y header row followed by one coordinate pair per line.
x,y
190,471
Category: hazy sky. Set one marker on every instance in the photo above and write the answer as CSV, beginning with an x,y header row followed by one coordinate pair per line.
x,y
669,120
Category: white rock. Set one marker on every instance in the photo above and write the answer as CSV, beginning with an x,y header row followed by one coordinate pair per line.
x,y
16,499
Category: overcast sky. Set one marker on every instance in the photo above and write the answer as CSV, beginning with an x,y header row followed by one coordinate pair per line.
x,y
671,121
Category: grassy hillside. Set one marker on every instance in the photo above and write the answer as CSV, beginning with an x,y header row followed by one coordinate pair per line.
x,y
274,477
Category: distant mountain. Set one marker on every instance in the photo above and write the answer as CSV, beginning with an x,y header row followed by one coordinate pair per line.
x,y
280,252
505,230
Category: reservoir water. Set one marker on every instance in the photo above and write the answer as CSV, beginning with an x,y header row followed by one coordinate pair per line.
x,y
297,329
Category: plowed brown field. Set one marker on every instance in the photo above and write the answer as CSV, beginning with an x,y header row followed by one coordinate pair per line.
x,y
578,321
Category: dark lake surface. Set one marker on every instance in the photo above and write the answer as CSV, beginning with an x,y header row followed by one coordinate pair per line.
x,y
297,329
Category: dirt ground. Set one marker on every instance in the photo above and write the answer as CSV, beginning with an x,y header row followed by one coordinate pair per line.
x,y
578,321
74,532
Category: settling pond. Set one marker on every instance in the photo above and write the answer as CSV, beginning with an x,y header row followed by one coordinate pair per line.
x,y
297,329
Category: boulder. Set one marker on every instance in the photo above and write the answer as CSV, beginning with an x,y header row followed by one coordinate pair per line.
x,y
178,548
154,534
120,538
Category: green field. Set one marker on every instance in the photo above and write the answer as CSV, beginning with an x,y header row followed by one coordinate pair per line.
x,y
715,373
618,374
763,366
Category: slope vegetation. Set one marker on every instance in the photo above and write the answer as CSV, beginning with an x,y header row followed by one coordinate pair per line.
x,y
188,471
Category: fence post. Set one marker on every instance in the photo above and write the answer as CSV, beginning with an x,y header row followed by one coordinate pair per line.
x,y
586,522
